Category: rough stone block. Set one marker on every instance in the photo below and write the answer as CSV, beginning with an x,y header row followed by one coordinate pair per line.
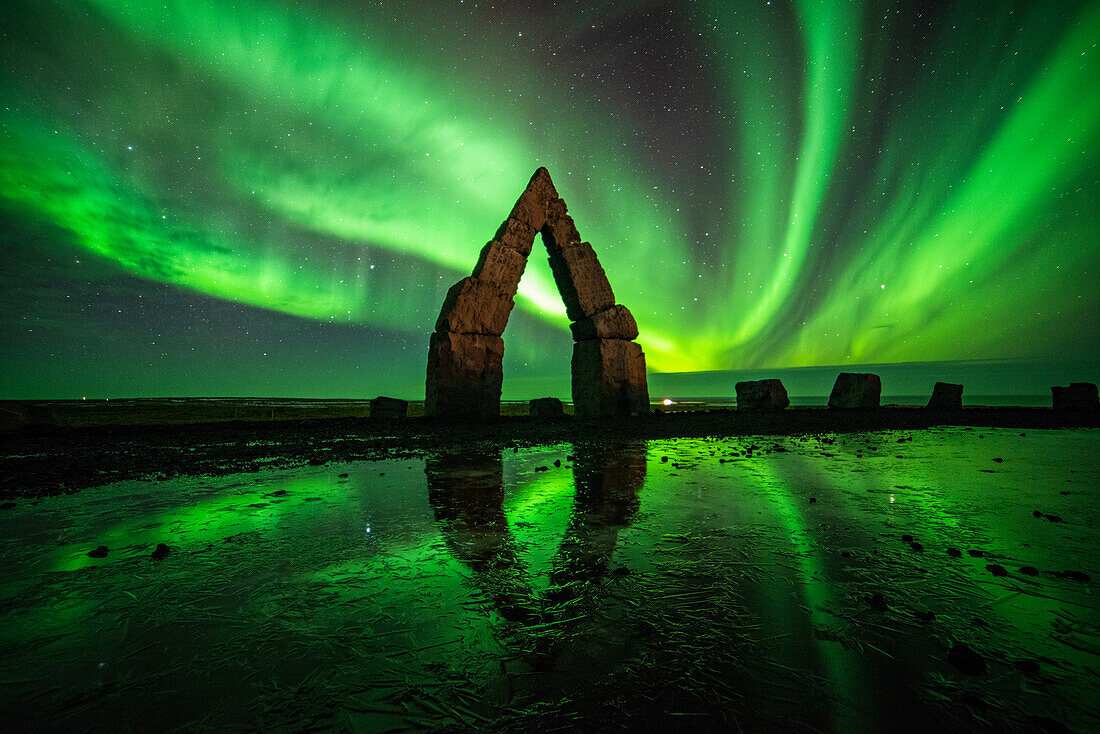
x,y
465,374
546,408
556,208
1078,396
475,306
615,322
946,396
500,265
581,281
609,378
762,395
560,232
517,235
388,408
855,390
532,203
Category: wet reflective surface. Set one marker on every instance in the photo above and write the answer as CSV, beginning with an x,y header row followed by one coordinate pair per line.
x,y
885,581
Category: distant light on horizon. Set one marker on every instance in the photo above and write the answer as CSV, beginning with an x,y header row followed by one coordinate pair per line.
x,y
667,401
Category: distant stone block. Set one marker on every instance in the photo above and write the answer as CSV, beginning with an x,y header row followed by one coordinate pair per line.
x,y
946,396
762,395
855,390
546,408
388,408
1078,396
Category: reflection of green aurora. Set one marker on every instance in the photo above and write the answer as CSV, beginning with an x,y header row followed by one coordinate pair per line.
x,y
921,200
707,580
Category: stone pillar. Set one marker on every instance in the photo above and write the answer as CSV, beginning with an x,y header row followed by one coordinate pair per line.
x,y
464,362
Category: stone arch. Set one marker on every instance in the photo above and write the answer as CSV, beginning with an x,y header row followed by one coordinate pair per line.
x,y
466,353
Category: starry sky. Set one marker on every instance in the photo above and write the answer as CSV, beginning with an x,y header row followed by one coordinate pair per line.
x,y
208,197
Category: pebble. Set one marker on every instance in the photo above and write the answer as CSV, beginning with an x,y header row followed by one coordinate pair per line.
x,y
966,660
877,601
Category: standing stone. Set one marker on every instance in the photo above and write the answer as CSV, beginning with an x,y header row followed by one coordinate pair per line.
x,y
609,378
465,357
762,395
1078,396
855,390
546,408
465,375
946,396
382,408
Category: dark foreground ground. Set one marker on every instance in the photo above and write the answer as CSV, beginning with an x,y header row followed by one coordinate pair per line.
x,y
808,571
47,459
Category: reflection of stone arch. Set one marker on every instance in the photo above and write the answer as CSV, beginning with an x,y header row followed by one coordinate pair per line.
x,y
465,371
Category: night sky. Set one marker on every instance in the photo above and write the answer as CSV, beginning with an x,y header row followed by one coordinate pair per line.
x,y
272,198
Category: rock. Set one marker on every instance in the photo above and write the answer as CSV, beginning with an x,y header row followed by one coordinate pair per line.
x,y
465,374
615,322
877,602
925,616
966,660
516,235
975,553
996,569
761,395
162,551
500,265
383,408
1071,575
560,231
946,396
954,552
581,281
99,552
475,306
546,408
1078,396
1029,570
609,378
530,208
855,390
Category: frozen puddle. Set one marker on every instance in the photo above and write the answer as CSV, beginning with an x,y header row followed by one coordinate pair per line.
x,y
806,583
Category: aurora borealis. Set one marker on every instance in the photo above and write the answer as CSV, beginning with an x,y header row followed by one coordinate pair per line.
x,y
269,198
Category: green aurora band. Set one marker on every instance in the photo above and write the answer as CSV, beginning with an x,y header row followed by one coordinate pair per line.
x,y
873,186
